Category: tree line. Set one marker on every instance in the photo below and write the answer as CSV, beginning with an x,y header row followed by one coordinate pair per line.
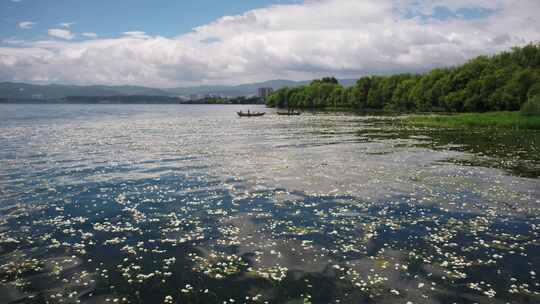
x,y
242,100
502,82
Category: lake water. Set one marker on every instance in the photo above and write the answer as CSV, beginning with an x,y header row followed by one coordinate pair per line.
x,y
191,204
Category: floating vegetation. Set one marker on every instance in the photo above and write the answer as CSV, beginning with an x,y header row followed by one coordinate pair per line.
x,y
218,265
275,273
15,270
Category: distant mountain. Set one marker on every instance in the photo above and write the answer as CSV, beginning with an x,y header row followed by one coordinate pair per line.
x,y
245,89
135,90
11,90
238,90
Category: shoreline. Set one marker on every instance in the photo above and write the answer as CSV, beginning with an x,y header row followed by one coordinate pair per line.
x,y
500,120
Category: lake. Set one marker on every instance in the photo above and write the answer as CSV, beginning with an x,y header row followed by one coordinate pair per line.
x,y
191,204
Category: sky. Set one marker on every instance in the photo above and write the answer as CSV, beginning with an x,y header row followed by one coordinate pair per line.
x,y
171,43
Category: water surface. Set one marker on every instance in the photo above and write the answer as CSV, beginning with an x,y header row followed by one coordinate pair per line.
x,y
190,204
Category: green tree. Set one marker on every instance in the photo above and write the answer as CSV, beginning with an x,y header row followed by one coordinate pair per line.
x,y
501,82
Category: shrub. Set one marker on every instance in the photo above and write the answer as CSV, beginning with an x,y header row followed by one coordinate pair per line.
x,y
531,107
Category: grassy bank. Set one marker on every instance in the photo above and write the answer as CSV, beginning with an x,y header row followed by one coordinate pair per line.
x,y
512,120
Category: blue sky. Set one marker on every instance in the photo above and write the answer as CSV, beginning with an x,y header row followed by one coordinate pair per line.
x,y
110,18
243,41
445,13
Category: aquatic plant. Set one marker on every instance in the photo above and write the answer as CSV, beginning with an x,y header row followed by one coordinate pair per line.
x,y
531,107
509,120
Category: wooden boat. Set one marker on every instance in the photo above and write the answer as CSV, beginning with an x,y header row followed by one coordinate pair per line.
x,y
288,113
249,114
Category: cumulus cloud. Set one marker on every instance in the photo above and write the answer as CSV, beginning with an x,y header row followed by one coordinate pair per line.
x,y
26,25
345,38
61,33
90,35
136,34
67,24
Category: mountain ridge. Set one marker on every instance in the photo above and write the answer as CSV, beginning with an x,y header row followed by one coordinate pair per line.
x,y
21,90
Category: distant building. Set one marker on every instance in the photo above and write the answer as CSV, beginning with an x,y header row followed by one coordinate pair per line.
x,y
264,92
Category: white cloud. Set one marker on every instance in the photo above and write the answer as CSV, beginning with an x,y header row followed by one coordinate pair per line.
x,y
136,35
61,33
26,25
67,24
90,35
345,38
